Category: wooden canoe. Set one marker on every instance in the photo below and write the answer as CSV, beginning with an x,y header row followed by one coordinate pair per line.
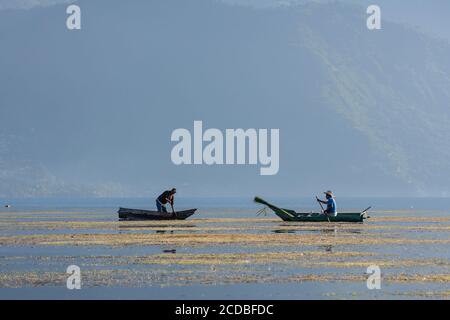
x,y
291,215
138,214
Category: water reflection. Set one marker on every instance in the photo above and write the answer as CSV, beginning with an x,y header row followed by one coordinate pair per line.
x,y
328,248
284,231
332,230
326,229
355,231
122,226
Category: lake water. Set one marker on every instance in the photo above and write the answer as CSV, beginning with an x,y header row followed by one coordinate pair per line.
x,y
224,251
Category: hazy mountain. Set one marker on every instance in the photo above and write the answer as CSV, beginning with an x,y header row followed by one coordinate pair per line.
x,y
427,16
28,4
91,112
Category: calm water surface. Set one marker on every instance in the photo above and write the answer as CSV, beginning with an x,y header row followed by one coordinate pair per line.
x,y
224,251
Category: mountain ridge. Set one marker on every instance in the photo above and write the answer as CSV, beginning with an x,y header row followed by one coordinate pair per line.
x,y
362,112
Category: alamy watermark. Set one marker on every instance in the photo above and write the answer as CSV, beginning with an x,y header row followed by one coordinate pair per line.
x,y
374,280
74,280
236,146
374,20
73,21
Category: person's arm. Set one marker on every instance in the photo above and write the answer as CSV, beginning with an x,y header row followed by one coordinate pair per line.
x,y
169,199
321,201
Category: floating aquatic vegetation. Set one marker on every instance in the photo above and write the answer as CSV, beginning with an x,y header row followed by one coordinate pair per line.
x,y
426,294
208,239
161,277
218,251
206,226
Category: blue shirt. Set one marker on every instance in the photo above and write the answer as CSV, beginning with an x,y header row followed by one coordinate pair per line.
x,y
331,206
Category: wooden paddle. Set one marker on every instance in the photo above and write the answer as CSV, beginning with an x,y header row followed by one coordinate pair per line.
x,y
173,211
323,210
364,211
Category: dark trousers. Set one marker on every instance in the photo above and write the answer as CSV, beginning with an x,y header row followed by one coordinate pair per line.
x,y
160,207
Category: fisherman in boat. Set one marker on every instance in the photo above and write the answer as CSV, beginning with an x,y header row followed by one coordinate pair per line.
x,y
164,198
331,204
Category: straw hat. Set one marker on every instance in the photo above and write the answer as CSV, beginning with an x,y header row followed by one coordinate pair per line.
x,y
329,193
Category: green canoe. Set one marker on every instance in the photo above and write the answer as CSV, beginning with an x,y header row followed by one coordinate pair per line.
x,y
291,215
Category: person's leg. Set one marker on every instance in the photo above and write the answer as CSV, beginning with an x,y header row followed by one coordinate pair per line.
x,y
158,206
163,207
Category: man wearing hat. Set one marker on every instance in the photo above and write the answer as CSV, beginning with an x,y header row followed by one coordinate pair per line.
x,y
165,197
330,202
